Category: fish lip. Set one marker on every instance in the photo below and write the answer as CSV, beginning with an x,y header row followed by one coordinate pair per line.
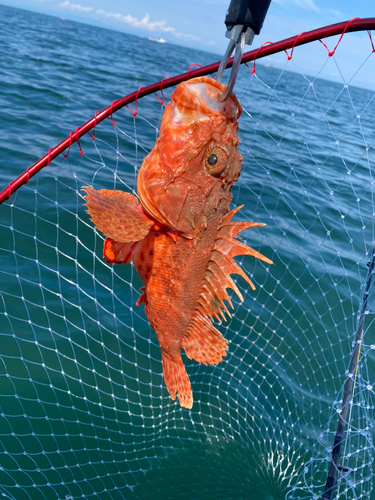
x,y
208,104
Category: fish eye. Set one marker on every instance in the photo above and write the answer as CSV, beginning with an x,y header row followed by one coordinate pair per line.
x,y
216,161
212,160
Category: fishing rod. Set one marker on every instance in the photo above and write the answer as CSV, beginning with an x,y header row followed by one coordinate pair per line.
x,y
334,467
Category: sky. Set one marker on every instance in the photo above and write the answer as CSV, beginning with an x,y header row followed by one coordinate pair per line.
x,y
199,24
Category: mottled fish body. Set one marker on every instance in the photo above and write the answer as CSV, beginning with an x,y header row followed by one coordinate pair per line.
x,y
180,235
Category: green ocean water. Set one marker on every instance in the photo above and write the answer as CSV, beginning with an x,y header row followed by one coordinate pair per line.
x,y
83,406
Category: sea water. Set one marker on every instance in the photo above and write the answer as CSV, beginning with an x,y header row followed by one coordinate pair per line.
x,y
84,410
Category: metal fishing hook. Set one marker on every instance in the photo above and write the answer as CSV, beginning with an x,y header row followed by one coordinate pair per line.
x,y
244,20
239,49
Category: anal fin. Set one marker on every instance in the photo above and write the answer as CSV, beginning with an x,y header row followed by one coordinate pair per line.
x,y
203,342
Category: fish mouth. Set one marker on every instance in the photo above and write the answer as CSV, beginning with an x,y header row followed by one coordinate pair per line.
x,y
203,96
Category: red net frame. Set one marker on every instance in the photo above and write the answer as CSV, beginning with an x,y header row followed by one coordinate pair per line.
x,y
267,49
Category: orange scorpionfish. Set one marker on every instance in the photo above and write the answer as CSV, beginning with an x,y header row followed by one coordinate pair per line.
x,y
179,234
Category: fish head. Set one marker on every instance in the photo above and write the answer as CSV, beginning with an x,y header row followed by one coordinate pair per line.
x,y
189,174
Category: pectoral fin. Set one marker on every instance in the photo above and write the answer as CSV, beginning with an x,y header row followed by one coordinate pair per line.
x,y
117,214
118,253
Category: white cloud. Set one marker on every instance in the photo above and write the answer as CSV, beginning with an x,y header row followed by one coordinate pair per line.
x,y
75,6
146,24
133,21
303,4
143,23
211,43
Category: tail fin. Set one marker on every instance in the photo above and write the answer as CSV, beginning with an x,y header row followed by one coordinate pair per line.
x,y
177,380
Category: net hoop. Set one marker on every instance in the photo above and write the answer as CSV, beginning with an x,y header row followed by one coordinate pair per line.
x,y
267,49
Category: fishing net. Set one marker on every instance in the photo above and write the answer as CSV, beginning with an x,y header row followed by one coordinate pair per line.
x,y
84,409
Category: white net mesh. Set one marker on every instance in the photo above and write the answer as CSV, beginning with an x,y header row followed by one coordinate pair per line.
x,y
83,406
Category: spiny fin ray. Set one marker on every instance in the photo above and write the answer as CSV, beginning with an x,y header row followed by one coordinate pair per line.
x,y
215,283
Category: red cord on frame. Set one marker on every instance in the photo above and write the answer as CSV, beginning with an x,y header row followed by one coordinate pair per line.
x,y
110,116
27,175
372,43
291,52
135,112
253,70
161,90
49,159
330,53
79,145
93,128
192,66
70,145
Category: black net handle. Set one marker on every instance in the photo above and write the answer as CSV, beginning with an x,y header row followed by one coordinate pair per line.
x,y
249,13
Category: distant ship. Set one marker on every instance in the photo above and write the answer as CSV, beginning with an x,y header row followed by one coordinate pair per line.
x,y
159,40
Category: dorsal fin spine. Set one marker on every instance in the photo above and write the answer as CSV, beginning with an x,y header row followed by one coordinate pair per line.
x,y
203,342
